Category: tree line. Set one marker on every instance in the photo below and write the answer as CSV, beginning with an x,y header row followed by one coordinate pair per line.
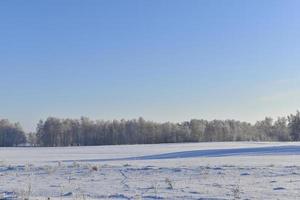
x,y
11,134
68,132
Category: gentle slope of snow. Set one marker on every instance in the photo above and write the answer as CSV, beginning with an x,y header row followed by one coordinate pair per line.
x,y
224,170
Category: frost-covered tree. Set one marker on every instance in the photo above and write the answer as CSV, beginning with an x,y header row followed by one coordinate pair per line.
x,y
11,134
294,126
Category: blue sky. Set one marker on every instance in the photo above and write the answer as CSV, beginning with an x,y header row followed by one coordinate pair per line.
x,y
163,60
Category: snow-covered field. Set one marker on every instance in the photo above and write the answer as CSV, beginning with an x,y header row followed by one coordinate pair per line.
x,y
231,170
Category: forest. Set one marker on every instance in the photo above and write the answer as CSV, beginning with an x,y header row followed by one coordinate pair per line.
x,y
84,131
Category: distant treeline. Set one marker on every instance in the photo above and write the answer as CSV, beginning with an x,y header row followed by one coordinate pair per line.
x,y
11,134
68,132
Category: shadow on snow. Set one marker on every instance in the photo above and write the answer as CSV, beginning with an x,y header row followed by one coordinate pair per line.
x,y
257,151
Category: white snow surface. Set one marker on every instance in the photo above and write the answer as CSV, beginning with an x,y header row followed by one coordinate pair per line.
x,y
223,170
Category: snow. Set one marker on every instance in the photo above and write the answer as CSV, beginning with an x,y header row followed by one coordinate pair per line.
x,y
224,170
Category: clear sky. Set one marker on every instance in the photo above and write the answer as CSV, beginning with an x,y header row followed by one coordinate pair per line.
x,y
164,60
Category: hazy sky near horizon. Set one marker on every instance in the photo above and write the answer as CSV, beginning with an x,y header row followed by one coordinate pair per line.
x,y
164,60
